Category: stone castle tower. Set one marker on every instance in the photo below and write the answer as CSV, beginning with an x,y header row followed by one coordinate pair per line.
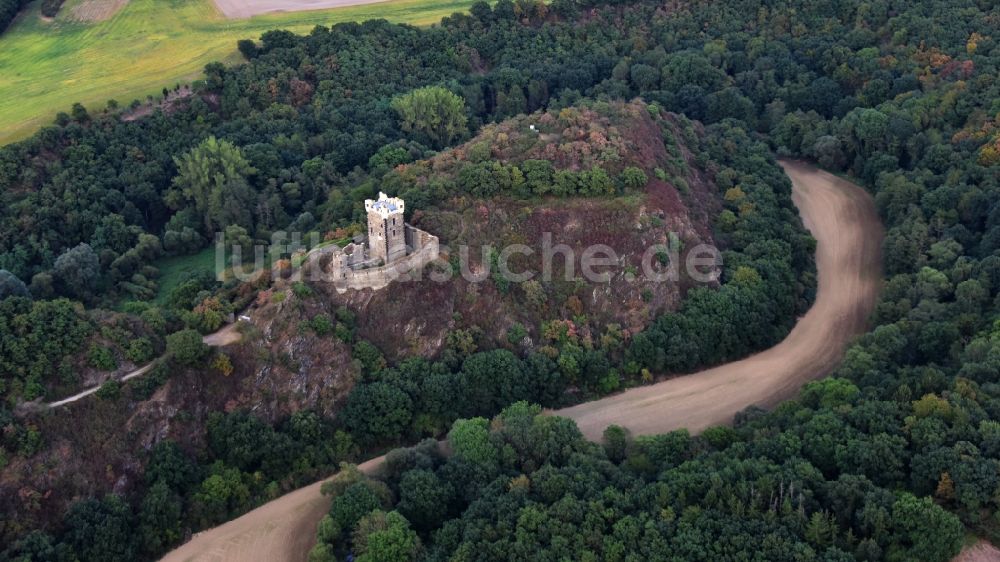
x,y
386,231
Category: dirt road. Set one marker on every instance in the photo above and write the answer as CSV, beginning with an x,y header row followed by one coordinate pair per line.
x,y
222,338
982,551
136,373
840,215
842,218
227,335
240,9
280,530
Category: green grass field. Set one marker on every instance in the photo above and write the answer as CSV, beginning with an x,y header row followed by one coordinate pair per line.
x,y
46,66
176,269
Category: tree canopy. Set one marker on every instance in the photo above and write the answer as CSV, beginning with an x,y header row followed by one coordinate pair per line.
x,y
433,112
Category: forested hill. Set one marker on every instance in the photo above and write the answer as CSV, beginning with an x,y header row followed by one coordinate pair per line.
x,y
886,459
331,377
308,111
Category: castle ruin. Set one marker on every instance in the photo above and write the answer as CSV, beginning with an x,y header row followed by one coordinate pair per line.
x,y
386,232
390,250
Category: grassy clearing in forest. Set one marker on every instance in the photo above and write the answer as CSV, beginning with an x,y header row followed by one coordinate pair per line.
x,y
175,269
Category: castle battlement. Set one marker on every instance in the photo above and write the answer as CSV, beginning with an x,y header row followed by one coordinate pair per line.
x,y
385,206
393,250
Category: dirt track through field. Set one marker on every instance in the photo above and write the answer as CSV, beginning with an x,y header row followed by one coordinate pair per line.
x,y
96,10
842,218
240,9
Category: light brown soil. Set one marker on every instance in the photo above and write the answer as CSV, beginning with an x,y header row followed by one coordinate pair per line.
x,y
982,551
227,335
239,9
842,218
96,10
281,530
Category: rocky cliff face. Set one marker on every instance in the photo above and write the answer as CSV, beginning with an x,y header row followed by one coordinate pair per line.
x,y
97,445
287,365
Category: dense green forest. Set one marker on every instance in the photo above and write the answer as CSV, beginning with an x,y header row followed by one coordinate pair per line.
x,y
526,486
885,462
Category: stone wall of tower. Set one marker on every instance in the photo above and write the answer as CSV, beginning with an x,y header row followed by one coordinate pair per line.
x,y
376,238
386,230
386,237
395,237
337,266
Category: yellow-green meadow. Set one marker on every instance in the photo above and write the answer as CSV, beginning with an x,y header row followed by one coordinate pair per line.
x,y
47,65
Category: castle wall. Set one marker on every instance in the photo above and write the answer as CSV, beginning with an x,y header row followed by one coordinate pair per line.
x,y
425,248
395,238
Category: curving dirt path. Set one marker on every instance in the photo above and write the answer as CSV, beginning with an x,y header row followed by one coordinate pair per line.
x,y
280,530
225,336
842,218
136,373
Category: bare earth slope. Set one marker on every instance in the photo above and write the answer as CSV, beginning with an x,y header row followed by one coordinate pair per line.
x,y
982,551
842,218
240,9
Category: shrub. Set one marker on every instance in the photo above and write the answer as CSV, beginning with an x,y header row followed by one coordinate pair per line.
x,y
186,347
516,333
139,350
633,178
302,290
101,358
222,364
370,357
247,48
321,324
344,333
682,185
110,390
609,382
